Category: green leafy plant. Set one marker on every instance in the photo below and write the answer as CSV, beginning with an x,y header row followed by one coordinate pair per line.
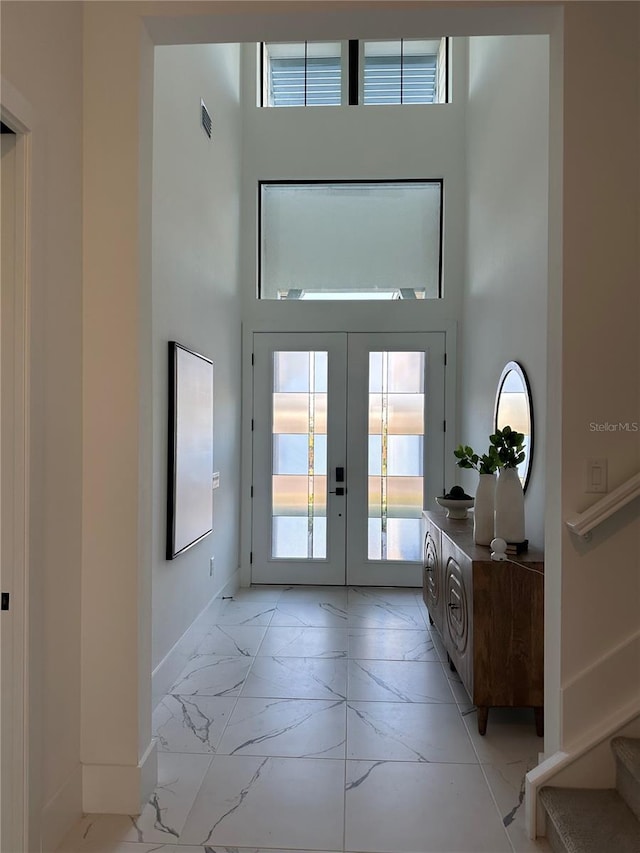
x,y
488,463
509,446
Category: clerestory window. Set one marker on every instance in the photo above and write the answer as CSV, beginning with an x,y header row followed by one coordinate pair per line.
x,y
299,75
403,71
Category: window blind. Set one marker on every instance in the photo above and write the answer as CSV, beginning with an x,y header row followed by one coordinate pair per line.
x,y
400,79
305,81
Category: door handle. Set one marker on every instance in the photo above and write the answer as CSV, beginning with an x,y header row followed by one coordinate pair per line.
x,y
339,490
340,475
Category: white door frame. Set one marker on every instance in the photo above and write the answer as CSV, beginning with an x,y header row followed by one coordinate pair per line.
x,y
296,319
346,560
14,503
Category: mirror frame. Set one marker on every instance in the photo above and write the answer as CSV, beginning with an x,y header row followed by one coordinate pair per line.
x,y
515,366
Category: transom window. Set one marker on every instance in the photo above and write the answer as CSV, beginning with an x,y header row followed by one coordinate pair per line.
x,y
403,71
298,75
350,240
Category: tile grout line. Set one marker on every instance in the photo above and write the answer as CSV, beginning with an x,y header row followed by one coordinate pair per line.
x,y
455,705
219,740
344,787
495,802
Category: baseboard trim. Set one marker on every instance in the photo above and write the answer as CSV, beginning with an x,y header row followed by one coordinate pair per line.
x,y
62,811
148,765
119,788
170,667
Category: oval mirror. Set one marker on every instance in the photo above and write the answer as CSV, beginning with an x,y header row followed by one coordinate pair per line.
x,y
514,408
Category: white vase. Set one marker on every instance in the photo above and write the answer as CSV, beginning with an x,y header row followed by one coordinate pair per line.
x,y
509,511
483,511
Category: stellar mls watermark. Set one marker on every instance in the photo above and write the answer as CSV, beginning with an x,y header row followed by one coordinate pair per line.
x,y
615,426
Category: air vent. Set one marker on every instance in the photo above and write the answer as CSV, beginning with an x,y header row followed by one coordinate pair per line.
x,y
206,118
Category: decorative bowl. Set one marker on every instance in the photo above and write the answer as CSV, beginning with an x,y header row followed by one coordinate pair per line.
x,y
455,508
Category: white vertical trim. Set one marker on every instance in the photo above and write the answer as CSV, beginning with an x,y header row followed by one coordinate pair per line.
x,y
17,114
443,67
450,400
118,788
61,812
344,73
246,458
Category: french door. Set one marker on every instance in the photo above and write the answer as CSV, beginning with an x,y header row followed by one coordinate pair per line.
x,y
348,447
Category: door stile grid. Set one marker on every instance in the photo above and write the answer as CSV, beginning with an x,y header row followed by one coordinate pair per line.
x,y
384,452
311,454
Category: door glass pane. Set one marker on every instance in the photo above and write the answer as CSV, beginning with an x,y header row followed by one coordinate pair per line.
x,y
405,414
405,456
405,372
291,413
289,536
299,458
291,371
375,539
290,454
404,497
375,461
396,453
403,539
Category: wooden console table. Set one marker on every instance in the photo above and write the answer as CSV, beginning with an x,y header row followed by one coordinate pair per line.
x,y
489,614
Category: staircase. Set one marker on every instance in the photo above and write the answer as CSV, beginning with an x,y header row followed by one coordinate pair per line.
x,y
584,820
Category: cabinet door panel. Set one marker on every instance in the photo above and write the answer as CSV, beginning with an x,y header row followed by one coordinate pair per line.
x,y
458,611
509,643
432,573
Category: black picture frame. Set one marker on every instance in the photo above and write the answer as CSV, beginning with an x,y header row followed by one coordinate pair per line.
x,y
190,449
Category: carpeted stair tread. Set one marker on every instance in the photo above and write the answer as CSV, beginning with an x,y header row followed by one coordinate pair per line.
x,y
627,750
591,821
627,754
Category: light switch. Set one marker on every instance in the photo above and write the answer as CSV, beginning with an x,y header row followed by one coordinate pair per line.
x,y
596,475
215,480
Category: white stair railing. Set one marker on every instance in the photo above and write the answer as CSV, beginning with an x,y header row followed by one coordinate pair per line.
x,y
584,522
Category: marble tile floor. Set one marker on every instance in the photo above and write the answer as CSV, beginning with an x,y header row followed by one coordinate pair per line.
x,y
326,719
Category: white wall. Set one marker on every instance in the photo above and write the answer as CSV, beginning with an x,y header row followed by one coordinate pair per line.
x,y
505,300
117,749
599,597
196,301
50,81
357,142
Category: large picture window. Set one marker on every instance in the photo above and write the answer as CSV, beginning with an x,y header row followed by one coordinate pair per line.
x,y
350,240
